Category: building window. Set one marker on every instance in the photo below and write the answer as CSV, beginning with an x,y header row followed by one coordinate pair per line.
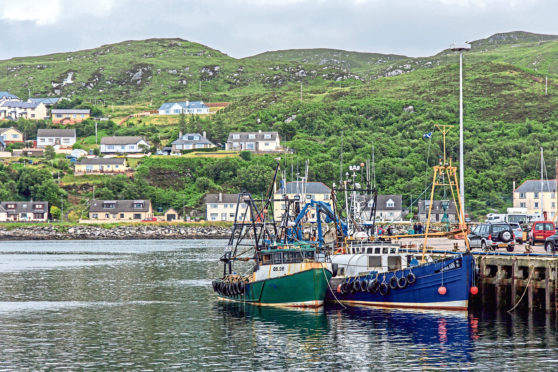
x,y
214,216
223,216
137,216
213,206
390,203
38,216
522,205
536,195
521,195
536,204
121,215
251,136
58,115
138,205
95,215
107,215
110,147
267,136
236,136
250,146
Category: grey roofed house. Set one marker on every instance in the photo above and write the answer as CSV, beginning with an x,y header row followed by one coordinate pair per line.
x,y
383,200
70,111
294,187
116,206
102,161
221,198
192,138
121,140
257,136
56,133
535,186
24,207
47,101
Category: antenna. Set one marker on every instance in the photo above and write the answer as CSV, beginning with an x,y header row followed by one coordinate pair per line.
x,y
341,166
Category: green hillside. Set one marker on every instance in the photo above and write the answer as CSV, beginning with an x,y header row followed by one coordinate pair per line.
x,y
360,100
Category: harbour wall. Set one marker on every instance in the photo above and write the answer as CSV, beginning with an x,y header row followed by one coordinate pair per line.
x,y
86,232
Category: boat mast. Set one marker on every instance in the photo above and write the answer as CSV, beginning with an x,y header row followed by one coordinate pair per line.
x,y
542,183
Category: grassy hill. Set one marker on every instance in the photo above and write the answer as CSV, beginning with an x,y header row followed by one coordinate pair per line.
x,y
370,100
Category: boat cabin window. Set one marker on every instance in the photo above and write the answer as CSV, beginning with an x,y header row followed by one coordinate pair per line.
x,y
292,257
377,250
385,250
277,258
369,250
309,255
266,259
392,250
394,263
374,261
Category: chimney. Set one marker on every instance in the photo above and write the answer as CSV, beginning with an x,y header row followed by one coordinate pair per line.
x,y
220,197
180,135
513,185
204,134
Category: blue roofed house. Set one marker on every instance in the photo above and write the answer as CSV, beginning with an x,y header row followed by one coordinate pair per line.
x,y
47,101
188,107
7,96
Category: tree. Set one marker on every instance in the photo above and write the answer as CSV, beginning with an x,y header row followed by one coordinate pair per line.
x,y
55,212
254,178
182,123
246,155
50,153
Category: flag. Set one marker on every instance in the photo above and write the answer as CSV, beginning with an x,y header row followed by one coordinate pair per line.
x,y
427,135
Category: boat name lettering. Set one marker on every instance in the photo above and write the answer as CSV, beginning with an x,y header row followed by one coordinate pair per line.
x,y
452,266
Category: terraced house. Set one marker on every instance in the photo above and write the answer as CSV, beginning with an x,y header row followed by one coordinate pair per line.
x,y
100,166
123,145
23,211
222,207
7,96
120,210
13,110
69,116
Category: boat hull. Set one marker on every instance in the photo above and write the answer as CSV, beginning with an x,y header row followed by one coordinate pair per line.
x,y
454,274
305,288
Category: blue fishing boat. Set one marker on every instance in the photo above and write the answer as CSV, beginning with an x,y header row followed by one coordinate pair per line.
x,y
392,277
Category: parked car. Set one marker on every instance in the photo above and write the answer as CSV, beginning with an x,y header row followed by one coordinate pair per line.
x,y
517,231
540,231
551,243
492,236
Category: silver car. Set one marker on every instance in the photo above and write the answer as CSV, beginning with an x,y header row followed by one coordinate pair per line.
x,y
517,231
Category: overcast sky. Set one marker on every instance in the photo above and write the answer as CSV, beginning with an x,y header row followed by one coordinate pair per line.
x,y
242,28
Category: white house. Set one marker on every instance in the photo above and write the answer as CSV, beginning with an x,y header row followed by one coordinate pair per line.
x,y
7,96
222,207
305,191
63,138
123,145
190,141
14,110
530,195
188,107
254,141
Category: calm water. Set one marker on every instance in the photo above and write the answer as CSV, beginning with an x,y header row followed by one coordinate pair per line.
x,y
147,305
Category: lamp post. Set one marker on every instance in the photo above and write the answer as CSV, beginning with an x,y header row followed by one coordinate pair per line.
x,y
460,48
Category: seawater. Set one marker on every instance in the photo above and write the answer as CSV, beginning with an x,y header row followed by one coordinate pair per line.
x,y
148,305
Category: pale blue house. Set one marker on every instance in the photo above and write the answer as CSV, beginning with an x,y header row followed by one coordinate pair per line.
x,y
188,107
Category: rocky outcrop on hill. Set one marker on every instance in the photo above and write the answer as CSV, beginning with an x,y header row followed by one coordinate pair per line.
x,y
84,232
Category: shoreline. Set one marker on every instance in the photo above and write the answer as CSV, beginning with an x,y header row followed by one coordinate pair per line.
x,y
118,232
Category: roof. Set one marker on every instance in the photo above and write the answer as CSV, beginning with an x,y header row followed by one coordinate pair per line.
x,y
383,199
46,100
184,139
2,130
30,105
311,188
24,206
56,133
121,140
71,111
225,198
184,105
8,95
535,186
436,207
102,161
120,206
258,136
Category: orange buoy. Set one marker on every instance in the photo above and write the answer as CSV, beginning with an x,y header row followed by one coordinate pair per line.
x,y
474,290
339,288
442,290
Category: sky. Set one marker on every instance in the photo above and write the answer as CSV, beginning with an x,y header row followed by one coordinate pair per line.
x,y
242,28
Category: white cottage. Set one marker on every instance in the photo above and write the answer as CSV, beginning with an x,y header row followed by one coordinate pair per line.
x,y
123,145
62,138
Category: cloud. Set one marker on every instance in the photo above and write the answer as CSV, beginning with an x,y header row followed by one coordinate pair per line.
x,y
50,12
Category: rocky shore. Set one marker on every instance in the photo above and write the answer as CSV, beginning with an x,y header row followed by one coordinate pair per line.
x,y
85,232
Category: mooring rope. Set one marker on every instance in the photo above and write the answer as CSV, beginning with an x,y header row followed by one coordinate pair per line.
x,y
332,291
525,291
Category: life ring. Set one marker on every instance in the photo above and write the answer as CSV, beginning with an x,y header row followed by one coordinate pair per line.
x,y
411,278
384,289
402,282
363,285
373,286
393,282
343,288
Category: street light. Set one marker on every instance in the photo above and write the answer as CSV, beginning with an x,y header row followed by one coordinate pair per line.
x,y
460,48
